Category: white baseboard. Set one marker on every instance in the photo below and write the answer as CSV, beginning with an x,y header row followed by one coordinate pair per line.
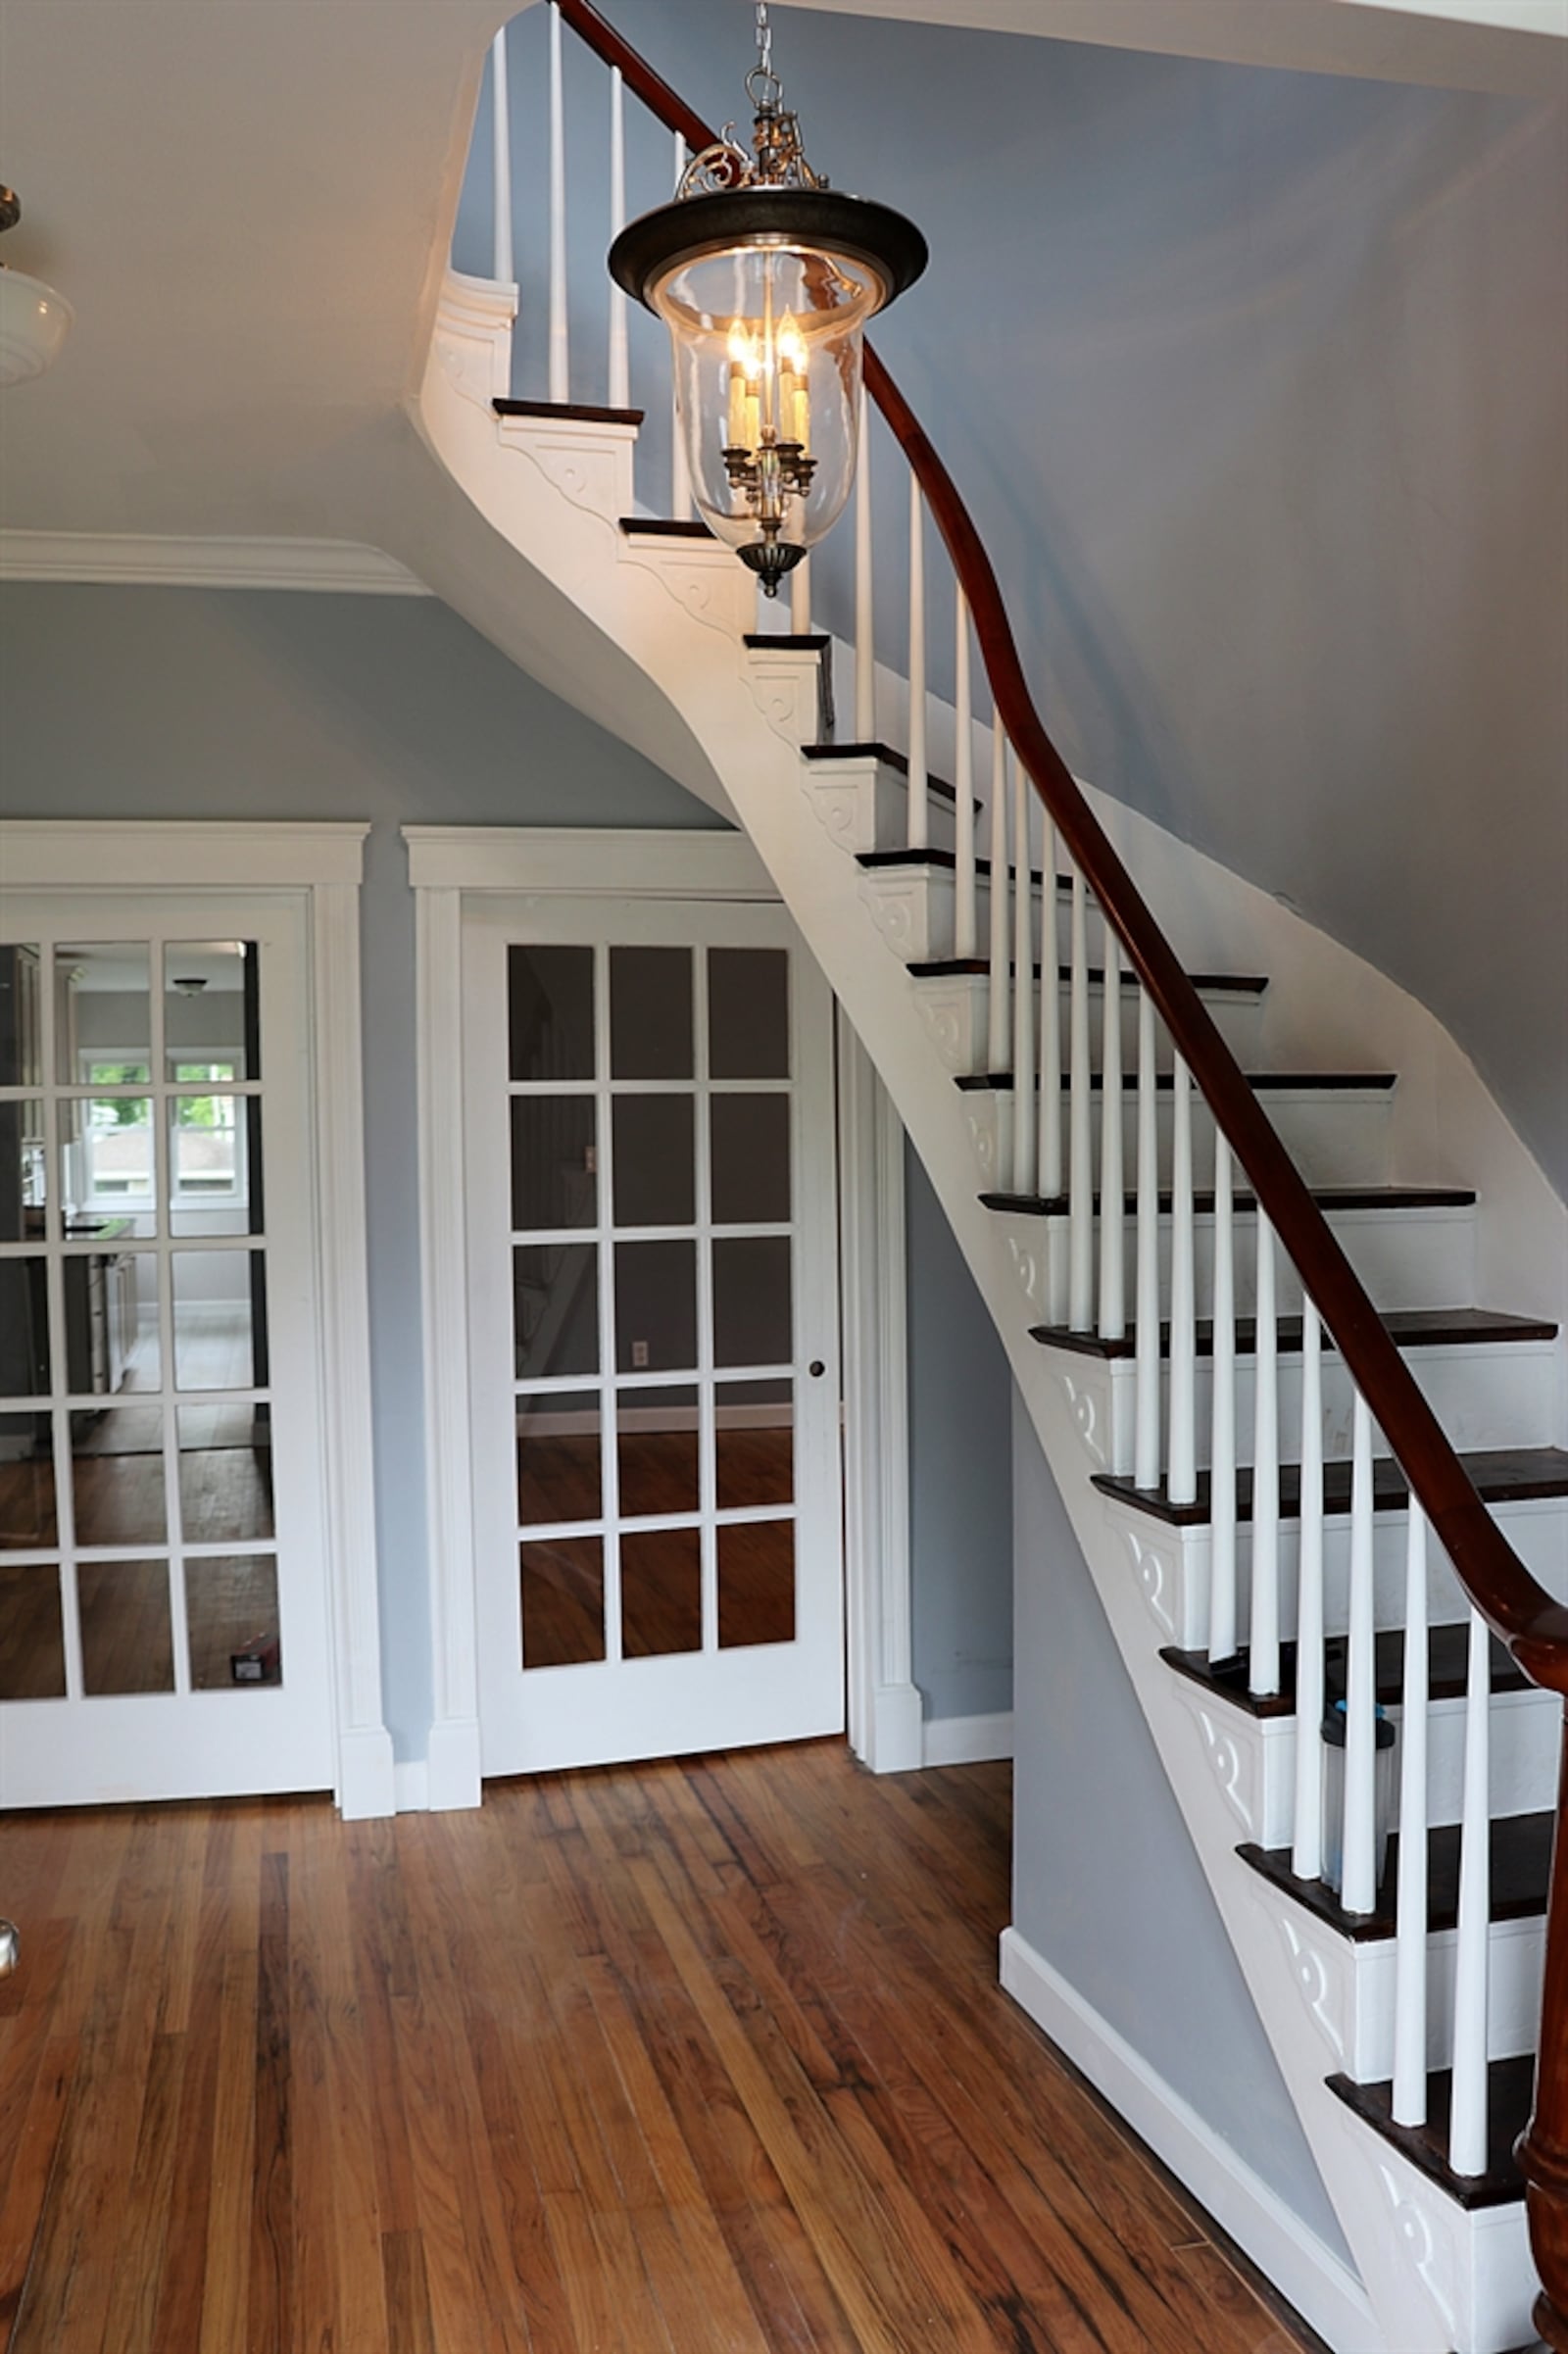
x,y
365,1774
966,1740
411,1781
895,1743
1318,2282
453,1769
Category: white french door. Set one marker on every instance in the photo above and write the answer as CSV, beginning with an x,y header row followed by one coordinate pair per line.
x,y
653,1328
163,1606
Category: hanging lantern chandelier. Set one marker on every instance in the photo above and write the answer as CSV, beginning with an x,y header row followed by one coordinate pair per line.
x,y
765,277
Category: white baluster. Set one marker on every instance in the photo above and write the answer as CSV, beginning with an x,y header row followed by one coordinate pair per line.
x,y
919,797
1181,1471
1358,1892
680,464
1223,1425
501,179
964,907
1308,1852
1025,1130
1263,1641
1049,1152
865,608
1146,1313
559,351
998,1024
800,596
619,356
1112,1274
1411,1935
1467,2130
1079,1132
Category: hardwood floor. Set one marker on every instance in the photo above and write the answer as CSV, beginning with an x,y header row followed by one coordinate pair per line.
x,y
659,2060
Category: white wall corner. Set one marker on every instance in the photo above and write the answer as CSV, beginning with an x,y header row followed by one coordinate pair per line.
x,y
896,1744
1315,2279
966,1740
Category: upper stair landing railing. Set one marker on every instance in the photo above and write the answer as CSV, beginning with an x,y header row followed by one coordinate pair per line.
x,y
1058,1157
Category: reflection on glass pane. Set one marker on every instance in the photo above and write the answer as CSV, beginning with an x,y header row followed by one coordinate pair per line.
x,y
656,1176
219,1320
549,1003
656,1306
27,1482
756,1583
212,1009
562,1601
226,1472
127,1642
558,1457
555,1309
751,1300
657,1451
660,1592
650,1014
214,1144
553,1161
748,1013
20,1017
130,1307
33,1643
117,1476
231,1612
754,1443
103,1014
107,1166
23,1328
750,1160
24,1172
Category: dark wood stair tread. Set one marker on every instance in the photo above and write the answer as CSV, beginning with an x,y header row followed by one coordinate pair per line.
x,y
787,641
574,411
1214,984
1261,1082
1406,1327
1447,1656
876,860
1329,1198
889,759
662,526
1520,1848
1501,1476
1510,2088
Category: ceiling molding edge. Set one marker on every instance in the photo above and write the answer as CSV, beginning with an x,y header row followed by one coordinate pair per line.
x,y
152,560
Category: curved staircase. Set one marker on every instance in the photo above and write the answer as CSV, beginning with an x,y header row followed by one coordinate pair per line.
x,y
1269,1562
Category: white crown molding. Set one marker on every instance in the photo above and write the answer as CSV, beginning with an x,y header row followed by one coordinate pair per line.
x,y
44,853
150,560
625,863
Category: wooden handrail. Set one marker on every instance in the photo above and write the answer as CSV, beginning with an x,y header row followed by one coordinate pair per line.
x,y
1514,1605
1519,1611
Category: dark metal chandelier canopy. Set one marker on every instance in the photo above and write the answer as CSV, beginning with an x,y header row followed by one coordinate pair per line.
x,y
765,277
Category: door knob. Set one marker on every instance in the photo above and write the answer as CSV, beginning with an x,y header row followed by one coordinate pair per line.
x,y
818,1368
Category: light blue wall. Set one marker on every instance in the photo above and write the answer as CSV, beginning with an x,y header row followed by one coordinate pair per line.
x,y
1255,383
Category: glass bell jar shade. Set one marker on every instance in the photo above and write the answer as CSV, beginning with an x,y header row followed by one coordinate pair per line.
x,y
766,292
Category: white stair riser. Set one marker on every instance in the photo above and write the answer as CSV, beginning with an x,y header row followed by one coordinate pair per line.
x,y
1335,1136
956,1007
1501,1396
1409,1259
1171,1565
1349,1991
864,805
912,909
1259,1767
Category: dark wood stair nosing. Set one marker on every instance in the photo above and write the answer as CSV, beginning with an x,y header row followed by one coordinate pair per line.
x,y
786,641
1409,1328
1500,1475
1329,1198
1261,1082
1509,2089
1448,1662
1211,984
875,861
574,411
1520,1869
648,526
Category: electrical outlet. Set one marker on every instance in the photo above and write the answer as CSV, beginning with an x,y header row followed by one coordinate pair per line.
x,y
639,1356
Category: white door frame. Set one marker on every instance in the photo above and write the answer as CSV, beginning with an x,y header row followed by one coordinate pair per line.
x,y
446,862
321,867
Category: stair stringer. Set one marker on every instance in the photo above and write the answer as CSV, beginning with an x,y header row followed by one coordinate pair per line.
x,y
679,610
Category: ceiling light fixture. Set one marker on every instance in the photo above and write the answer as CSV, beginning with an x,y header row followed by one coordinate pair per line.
x,y
765,277
34,319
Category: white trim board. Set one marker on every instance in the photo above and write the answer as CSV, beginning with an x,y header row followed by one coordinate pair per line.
x,y
1302,2268
966,1740
620,863
46,853
153,560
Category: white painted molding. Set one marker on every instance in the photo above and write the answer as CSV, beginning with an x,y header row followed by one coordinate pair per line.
x,y
411,1785
85,854
628,863
1316,2281
364,1746
149,559
454,1751
966,1740
885,1705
